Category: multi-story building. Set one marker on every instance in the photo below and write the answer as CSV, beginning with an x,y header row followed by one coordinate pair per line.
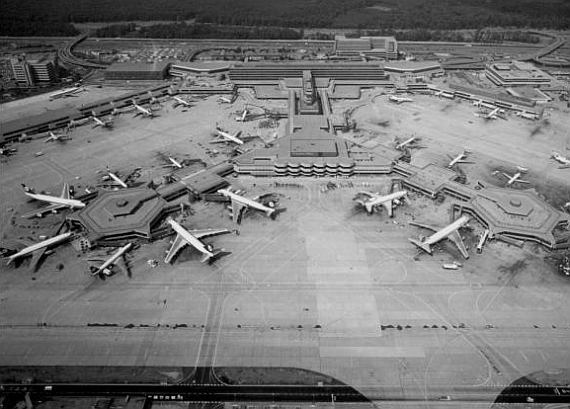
x,y
34,71
516,73
381,47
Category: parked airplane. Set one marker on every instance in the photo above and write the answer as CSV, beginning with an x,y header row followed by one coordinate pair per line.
x,y
444,94
227,137
193,237
451,232
479,103
174,163
37,250
98,122
371,200
243,116
240,204
179,101
147,113
8,151
489,115
64,93
527,115
561,159
458,159
64,201
117,181
57,137
516,177
106,267
399,100
153,99
225,100
401,145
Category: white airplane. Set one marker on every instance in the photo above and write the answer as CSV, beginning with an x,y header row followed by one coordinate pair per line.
x,y
37,250
451,232
489,115
153,99
371,201
107,266
527,115
402,145
479,103
118,181
180,101
57,137
243,116
64,93
7,151
458,159
516,177
147,113
174,163
64,201
398,100
225,100
444,94
98,122
240,204
228,137
561,159
192,237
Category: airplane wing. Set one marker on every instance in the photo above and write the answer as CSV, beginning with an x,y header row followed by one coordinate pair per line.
x,y
388,206
455,237
36,256
201,234
424,226
522,181
178,244
507,176
43,210
237,211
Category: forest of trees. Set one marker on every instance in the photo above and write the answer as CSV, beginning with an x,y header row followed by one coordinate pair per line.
x,y
184,30
31,16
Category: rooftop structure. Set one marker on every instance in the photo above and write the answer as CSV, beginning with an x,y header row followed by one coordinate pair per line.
x,y
516,73
157,70
182,68
122,214
261,73
520,215
312,152
59,118
381,47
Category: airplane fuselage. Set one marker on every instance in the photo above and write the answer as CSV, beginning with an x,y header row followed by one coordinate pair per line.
x,y
71,203
113,258
446,231
376,200
229,137
406,142
38,246
456,160
561,159
514,178
245,201
117,179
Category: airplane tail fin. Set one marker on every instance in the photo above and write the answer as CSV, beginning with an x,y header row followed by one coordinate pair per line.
x,y
28,189
210,258
422,245
272,214
369,207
